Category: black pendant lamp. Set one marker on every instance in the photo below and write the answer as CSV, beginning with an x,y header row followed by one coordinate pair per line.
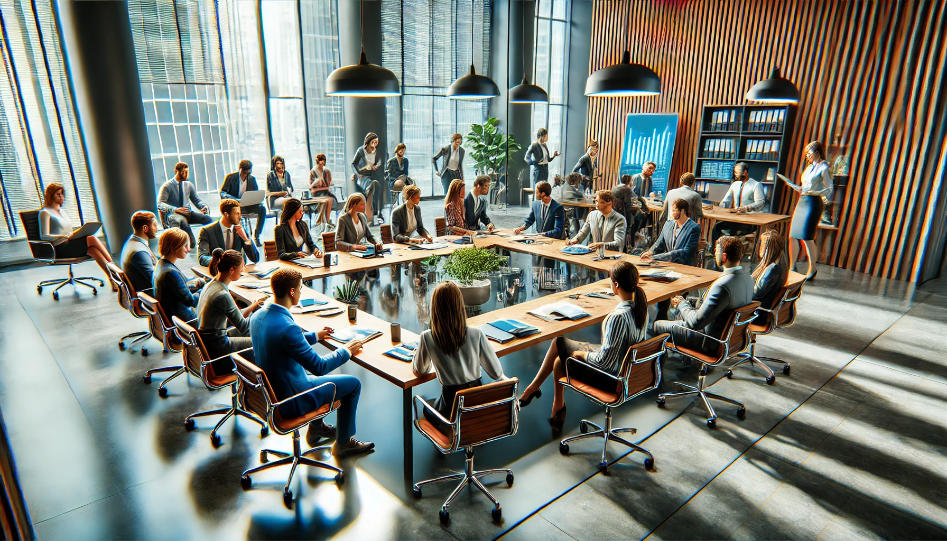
x,y
525,92
472,86
776,89
363,80
625,78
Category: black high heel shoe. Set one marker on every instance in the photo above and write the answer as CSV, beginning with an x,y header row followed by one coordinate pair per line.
x,y
811,277
527,399
558,419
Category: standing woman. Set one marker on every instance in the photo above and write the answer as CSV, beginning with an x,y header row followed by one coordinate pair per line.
x,y
171,288
320,182
353,227
816,186
366,162
623,327
770,275
292,234
538,157
216,308
279,187
55,227
454,208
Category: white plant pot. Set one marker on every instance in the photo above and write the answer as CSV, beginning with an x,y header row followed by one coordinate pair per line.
x,y
475,294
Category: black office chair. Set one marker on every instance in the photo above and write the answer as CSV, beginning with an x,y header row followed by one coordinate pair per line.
x,y
44,252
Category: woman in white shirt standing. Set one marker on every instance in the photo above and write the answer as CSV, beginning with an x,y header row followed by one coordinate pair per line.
x,y
816,187
55,227
456,351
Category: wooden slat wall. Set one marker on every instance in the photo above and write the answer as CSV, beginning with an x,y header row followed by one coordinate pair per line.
x,y
869,71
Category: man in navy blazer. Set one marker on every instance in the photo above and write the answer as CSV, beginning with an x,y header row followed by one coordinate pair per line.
x,y
138,261
678,240
548,215
475,206
285,353
240,182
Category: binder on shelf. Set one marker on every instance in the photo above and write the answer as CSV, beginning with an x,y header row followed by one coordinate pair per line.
x,y
774,153
767,149
770,124
730,125
754,116
782,120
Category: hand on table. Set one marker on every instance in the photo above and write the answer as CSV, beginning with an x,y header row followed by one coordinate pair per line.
x,y
257,304
317,253
354,347
324,332
360,247
570,242
491,227
676,301
646,255
595,245
518,230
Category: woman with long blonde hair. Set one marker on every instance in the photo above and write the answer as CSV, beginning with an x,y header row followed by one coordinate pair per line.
x,y
816,187
454,208
352,228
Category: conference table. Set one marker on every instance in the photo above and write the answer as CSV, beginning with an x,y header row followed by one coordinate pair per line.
x,y
399,373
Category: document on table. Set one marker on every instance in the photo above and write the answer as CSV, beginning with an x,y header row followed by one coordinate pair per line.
x,y
87,229
560,310
659,275
431,246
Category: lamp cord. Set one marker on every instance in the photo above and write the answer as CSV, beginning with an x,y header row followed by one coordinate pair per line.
x,y
523,36
361,24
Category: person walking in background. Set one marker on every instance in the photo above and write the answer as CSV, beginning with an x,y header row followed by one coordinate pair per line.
x,y
587,165
453,162
816,187
365,163
174,202
538,157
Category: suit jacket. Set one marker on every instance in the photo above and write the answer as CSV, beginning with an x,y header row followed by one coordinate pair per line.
x,y
641,185
169,197
446,152
286,242
533,156
346,235
231,187
770,283
555,219
273,185
171,289
694,200
399,223
612,233
732,290
585,166
138,263
393,170
683,249
474,220
215,309
211,237
361,160
284,352
747,194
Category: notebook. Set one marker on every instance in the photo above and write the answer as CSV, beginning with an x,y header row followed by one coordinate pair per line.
x,y
560,310
496,334
401,353
308,262
576,249
263,274
87,229
600,295
514,327
430,246
347,334
462,240
658,275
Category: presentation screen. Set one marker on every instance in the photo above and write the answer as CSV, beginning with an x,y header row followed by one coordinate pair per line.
x,y
649,137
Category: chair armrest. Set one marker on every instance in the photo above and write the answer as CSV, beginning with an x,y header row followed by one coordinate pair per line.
x,y
205,363
317,387
719,341
425,405
47,245
587,365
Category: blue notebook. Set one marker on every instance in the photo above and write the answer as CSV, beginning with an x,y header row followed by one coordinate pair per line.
x,y
576,249
514,327
401,353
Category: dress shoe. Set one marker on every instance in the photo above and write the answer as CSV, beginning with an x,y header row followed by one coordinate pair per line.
x,y
525,400
351,447
811,277
317,432
558,419
256,240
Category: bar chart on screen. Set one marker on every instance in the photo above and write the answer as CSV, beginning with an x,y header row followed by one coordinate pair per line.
x,y
649,138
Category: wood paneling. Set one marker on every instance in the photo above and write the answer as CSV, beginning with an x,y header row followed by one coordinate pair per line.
x,y
870,72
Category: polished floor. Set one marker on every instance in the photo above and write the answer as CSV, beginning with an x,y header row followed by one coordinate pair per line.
x,y
851,445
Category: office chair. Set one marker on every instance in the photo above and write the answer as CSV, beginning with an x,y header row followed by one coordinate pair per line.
x,y
479,415
735,339
44,252
269,250
440,226
128,299
258,396
386,237
162,329
768,320
216,374
328,241
639,372
394,197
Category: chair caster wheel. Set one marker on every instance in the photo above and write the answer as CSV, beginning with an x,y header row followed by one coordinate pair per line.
x,y
95,291
497,514
712,423
56,295
564,448
583,427
146,378
649,464
445,517
144,352
416,491
660,402
288,498
509,479
39,290
215,440
162,392
729,374
603,466
339,478
263,457
770,380
786,370
245,482
265,431
741,413
121,346
189,424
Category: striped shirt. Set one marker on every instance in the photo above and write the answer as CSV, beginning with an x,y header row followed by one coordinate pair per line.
x,y
619,333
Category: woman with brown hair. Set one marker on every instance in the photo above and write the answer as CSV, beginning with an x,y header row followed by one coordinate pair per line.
x,y
816,186
176,295
55,227
456,351
353,226
623,327
365,163
216,308
292,234
454,208
320,182
771,273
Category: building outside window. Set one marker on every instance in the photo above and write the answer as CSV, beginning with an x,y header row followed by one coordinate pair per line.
x,y
550,71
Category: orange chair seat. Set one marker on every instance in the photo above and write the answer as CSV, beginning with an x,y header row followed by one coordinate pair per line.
x,y
602,395
439,437
292,423
699,355
221,380
758,329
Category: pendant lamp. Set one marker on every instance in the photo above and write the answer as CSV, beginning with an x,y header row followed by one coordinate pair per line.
x,y
776,89
525,92
363,80
472,86
625,78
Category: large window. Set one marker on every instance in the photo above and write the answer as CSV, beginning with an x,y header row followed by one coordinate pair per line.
x,y
39,135
428,45
550,71
320,35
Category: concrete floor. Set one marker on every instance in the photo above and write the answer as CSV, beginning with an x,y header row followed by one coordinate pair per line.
x,y
850,446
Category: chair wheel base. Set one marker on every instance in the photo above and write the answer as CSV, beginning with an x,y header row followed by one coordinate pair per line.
x,y
144,352
564,448
509,479
146,378
660,402
215,440
288,498
770,380
729,374
39,290
55,295
189,424
444,516
416,492
603,466
583,427
263,457
786,370
245,482
741,413
712,423
497,514
95,291
649,464
265,431
163,392
339,479
121,346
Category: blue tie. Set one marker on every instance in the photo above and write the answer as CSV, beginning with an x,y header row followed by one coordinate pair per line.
x,y
181,193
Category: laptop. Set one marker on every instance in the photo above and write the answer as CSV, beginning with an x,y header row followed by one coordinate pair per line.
x,y
252,197
716,192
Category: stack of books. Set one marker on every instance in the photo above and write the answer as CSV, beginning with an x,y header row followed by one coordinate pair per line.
x,y
767,120
724,120
717,149
504,330
759,149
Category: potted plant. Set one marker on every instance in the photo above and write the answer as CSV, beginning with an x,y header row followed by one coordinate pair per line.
x,y
468,266
490,148
348,292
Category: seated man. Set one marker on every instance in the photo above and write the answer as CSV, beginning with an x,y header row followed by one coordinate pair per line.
x,y
285,353
138,261
607,225
226,234
240,182
174,202
732,290
745,195
634,207
678,240
686,192
475,205
546,213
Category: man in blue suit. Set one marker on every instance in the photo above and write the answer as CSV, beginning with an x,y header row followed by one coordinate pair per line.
x,y
285,353
546,213
238,183
678,240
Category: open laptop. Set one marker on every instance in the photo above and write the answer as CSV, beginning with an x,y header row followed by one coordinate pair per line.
x,y
716,192
252,197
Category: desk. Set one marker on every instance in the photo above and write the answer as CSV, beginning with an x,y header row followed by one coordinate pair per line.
x,y
581,203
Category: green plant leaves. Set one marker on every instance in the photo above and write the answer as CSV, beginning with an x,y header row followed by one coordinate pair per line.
x,y
489,147
468,264
348,292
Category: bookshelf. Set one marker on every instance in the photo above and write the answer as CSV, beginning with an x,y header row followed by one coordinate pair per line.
x,y
758,135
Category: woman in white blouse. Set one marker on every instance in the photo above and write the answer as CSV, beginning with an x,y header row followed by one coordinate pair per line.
x,y
456,351
816,187
55,227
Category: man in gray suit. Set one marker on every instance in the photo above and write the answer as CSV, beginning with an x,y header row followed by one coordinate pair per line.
x,y
453,162
226,234
732,290
686,191
174,202
606,225
475,205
